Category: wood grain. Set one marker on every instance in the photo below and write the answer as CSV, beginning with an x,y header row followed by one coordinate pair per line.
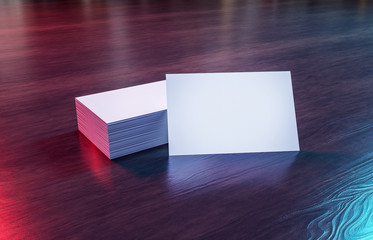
x,y
54,184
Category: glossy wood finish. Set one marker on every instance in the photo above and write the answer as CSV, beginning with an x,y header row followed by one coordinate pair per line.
x,y
54,184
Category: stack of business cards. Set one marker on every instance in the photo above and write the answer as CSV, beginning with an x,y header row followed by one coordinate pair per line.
x,y
217,113
125,121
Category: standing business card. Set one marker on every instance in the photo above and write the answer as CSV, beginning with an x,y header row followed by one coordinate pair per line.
x,y
217,113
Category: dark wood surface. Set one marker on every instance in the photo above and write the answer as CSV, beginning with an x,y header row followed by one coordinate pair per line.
x,y
54,184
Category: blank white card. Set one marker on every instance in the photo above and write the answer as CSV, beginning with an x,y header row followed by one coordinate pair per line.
x,y
217,113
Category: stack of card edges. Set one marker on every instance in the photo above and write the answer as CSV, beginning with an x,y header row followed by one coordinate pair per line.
x,y
126,120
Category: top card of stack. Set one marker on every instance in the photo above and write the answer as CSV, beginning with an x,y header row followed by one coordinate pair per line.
x,y
125,121
216,113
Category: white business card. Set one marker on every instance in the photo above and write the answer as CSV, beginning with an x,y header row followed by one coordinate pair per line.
x,y
217,113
